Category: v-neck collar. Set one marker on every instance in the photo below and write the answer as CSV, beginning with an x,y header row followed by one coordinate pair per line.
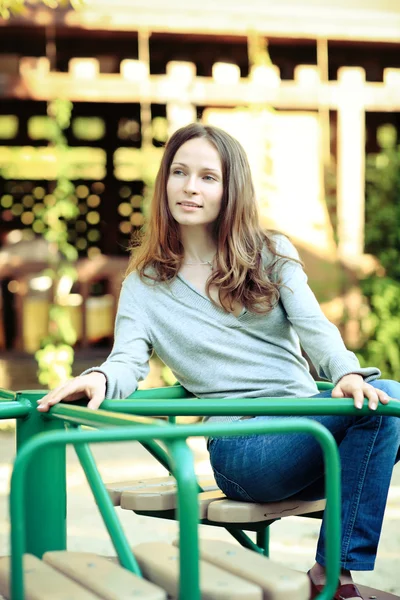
x,y
205,297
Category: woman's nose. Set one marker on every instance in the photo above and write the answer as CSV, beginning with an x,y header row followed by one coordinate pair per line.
x,y
191,185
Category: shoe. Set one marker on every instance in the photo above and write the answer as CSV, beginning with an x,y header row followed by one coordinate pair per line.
x,y
347,590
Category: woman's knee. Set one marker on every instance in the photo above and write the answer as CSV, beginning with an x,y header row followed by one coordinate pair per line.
x,y
389,386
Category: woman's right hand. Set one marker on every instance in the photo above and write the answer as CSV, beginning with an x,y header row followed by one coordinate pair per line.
x,y
92,385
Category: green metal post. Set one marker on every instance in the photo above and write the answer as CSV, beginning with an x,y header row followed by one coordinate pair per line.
x,y
107,509
45,503
243,539
263,540
188,516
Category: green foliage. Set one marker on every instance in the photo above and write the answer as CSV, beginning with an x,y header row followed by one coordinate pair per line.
x,y
10,8
55,363
55,358
56,355
381,327
8,127
89,128
382,235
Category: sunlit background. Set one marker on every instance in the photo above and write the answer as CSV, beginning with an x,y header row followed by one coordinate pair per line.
x,y
91,91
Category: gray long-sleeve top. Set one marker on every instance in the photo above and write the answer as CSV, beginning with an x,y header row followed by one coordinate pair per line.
x,y
214,354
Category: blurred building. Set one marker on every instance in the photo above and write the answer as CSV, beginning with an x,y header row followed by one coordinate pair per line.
x,y
304,85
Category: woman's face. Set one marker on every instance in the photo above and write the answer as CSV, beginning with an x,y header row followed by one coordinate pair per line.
x,y
194,186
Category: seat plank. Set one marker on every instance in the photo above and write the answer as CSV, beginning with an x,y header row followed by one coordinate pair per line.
x,y
42,582
277,581
160,563
157,498
117,488
368,592
233,511
160,499
103,577
205,499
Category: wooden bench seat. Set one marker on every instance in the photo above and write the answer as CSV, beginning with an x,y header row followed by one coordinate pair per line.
x,y
151,496
85,576
232,511
215,583
165,498
78,576
218,578
276,581
227,572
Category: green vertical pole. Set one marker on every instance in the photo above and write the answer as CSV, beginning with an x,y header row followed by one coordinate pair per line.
x,y
45,497
188,516
243,539
106,508
263,540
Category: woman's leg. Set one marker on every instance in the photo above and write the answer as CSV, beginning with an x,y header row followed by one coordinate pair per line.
x,y
368,453
267,468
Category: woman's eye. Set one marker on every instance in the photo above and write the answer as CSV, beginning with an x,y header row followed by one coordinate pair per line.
x,y
209,178
177,172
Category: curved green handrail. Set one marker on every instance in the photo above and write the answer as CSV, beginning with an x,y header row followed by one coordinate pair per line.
x,y
165,392
248,407
13,410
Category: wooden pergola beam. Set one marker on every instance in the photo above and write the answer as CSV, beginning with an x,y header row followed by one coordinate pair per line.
x,y
203,91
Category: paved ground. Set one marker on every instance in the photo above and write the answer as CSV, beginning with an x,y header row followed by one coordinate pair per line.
x,y
293,539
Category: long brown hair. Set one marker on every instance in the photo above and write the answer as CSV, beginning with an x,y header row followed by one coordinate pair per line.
x,y
240,273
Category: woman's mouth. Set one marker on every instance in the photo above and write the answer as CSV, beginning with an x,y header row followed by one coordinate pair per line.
x,y
189,205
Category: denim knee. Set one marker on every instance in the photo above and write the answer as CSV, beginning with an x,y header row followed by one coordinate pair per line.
x,y
389,386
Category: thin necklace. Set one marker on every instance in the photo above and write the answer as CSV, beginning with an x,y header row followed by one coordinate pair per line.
x,y
190,264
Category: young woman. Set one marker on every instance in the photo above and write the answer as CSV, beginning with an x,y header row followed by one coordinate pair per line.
x,y
226,306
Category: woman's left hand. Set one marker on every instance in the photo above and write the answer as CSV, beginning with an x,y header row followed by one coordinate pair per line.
x,y
354,386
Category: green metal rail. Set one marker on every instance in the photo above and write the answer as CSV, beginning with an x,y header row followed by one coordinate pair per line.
x,y
7,395
13,410
175,438
43,496
247,407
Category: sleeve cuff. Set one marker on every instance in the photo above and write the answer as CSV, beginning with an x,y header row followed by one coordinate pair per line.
x,y
98,370
368,374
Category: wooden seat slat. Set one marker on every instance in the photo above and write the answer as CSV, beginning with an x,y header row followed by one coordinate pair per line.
x,y
103,577
161,497
277,581
233,511
160,563
117,488
368,592
42,582
156,498
205,499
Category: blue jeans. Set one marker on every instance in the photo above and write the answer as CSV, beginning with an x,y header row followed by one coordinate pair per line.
x,y
269,468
